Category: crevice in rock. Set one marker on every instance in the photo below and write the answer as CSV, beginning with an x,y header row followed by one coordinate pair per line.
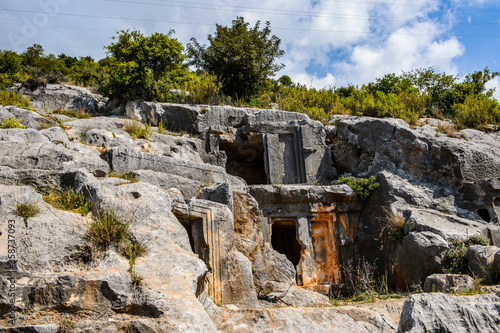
x,y
484,214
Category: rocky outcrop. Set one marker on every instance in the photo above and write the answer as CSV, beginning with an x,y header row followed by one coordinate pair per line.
x,y
243,224
441,313
443,188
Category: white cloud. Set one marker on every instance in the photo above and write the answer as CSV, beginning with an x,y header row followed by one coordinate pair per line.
x,y
494,84
313,81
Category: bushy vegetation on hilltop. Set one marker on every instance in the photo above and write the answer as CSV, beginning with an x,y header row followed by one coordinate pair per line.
x,y
236,69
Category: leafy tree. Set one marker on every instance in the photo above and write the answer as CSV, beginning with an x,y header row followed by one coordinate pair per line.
x,y
11,69
474,84
86,71
138,65
239,56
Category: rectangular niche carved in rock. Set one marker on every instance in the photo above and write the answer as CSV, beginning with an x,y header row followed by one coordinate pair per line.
x,y
246,160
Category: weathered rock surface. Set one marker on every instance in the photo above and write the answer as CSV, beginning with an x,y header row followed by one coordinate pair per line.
x,y
481,260
438,312
27,118
448,283
421,254
302,320
48,156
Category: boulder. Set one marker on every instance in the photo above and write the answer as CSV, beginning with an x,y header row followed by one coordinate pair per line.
x,y
189,188
176,117
55,135
496,261
377,144
437,312
282,294
22,135
306,319
420,255
219,192
445,225
54,240
448,283
62,96
481,260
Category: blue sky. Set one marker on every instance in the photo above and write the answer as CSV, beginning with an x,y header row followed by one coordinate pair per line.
x,y
326,42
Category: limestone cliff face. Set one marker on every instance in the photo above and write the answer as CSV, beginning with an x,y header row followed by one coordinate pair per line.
x,y
239,213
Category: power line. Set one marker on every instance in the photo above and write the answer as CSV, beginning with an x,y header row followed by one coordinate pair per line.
x,y
272,11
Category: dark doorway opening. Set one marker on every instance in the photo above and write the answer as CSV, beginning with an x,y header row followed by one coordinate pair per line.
x,y
284,239
484,214
246,160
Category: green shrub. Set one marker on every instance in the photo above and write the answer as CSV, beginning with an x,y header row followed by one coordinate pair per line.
x,y
69,201
476,112
362,186
11,122
456,256
203,89
13,98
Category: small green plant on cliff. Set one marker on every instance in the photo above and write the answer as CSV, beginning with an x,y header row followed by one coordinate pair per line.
x,y
66,326
27,210
125,175
12,122
456,256
161,130
362,186
69,201
108,229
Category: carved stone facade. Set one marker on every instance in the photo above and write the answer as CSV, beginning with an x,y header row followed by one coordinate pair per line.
x,y
314,226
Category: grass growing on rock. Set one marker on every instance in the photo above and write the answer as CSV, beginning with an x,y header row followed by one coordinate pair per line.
x,y
456,256
79,114
394,224
109,229
137,131
69,201
125,175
